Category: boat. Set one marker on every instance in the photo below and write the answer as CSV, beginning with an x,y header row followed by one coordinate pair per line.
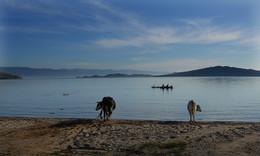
x,y
163,87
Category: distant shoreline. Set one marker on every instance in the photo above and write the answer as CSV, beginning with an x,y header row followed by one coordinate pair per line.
x,y
70,136
26,72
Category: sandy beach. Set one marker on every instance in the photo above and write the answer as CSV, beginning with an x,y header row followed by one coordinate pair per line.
x,y
56,136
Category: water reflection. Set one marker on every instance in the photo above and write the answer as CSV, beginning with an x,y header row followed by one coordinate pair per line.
x,y
222,80
167,90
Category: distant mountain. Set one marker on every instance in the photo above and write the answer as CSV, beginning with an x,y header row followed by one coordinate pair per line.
x,y
126,75
217,71
65,73
4,75
117,75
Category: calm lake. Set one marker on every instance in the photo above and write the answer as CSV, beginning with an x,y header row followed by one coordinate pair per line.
x,y
221,98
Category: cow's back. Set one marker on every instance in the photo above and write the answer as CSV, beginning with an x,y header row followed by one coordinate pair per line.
x,y
109,103
192,107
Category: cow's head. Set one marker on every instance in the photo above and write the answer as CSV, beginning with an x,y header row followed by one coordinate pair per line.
x,y
99,106
198,108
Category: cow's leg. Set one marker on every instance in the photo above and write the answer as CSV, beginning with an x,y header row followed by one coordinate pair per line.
x,y
110,114
190,117
100,114
104,115
194,120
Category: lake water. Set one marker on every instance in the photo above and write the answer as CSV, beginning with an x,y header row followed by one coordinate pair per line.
x,y
221,98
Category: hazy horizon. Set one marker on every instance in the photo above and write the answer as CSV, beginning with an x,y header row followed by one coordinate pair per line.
x,y
128,69
168,36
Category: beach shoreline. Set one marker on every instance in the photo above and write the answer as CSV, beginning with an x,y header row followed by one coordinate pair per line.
x,y
71,136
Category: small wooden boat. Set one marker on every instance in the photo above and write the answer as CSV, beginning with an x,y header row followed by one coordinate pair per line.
x,y
167,87
163,87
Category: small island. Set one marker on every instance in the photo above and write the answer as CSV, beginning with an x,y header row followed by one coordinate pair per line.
x,y
215,71
117,75
4,75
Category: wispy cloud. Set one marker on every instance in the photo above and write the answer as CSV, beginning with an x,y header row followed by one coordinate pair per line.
x,y
198,22
163,35
127,17
128,27
138,33
137,59
99,28
194,36
111,43
253,41
212,35
202,31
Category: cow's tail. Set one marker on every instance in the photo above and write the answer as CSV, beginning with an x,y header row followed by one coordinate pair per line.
x,y
193,108
114,106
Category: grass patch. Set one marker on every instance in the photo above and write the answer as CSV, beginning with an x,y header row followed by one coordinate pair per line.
x,y
148,145
176,147
56,153
199,139
170,145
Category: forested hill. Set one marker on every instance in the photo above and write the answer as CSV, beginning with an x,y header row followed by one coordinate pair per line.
x,y
217,71
8,76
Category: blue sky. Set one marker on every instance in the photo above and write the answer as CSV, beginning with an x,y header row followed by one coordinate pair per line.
x,y
151,35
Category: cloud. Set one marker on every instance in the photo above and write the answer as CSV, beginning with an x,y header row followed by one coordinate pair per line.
x,y
135,32
128,17
197,31
212,35
206,36
111,43
163,35
137,59
190,31
198,22
125,28
250,41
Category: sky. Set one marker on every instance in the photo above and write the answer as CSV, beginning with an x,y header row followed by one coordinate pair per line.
x,y
150,35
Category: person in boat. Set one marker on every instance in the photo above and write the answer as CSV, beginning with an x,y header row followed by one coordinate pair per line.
x,y
163,86
167,86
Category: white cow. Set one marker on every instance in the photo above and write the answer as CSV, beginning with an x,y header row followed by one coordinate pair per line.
x,y
192,108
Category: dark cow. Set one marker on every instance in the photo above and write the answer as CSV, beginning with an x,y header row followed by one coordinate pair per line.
x,y
107,105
